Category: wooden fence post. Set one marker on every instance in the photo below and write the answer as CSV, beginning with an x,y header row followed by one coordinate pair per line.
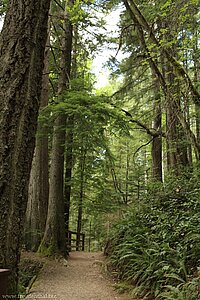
x,y
83,242
78,242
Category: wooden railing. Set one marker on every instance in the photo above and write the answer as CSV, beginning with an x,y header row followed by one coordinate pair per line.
x,y
75,241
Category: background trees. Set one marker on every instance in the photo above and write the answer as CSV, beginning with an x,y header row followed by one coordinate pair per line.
x,y
160,88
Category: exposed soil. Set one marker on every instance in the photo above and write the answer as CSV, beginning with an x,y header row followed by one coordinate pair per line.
x,y
79,278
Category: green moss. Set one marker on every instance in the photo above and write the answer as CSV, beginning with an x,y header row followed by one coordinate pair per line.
x,y
48,251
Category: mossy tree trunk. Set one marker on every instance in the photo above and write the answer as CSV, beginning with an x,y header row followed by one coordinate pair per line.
x,y
22,44
54,240
177,140
37,206
70,139
68,170
196,52
156,150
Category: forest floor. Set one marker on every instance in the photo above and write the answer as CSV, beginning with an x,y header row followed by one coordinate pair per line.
x,y
81,277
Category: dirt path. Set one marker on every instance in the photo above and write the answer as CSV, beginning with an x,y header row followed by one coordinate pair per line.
x,y
81,279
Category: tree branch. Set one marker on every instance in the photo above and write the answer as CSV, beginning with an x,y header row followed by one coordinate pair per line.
x,y
143,146
59,4
149,131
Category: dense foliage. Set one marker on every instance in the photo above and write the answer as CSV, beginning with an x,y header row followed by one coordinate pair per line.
x,y
155,246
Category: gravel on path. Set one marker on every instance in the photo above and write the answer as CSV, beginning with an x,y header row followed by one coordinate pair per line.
x,y
79,278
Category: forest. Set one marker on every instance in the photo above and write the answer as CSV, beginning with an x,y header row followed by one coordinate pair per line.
x,y
114,166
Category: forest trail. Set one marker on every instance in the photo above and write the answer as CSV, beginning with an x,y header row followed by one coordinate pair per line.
x,y
80,279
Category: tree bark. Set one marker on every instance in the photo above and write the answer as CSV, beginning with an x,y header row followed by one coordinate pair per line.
x,y
54,240
196,52
68,171
156,150
22,44
127,173
69,140
37,206
81,196
54,237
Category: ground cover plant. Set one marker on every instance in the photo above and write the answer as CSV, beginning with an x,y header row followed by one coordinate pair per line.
x,y
28,272
155,246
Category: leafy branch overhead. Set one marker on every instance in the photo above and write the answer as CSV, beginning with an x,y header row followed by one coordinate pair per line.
x,y
86,107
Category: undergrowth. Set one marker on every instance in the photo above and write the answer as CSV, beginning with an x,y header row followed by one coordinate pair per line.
x,y
28,272
156,246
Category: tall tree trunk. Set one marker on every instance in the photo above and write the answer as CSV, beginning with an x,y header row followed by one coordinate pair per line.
x,y
22,44
197,110
171,121
37,205
176,135
54,240
81,196
196,52
177,153
69,140
54,237
68,171
186,101
156,150
127,173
